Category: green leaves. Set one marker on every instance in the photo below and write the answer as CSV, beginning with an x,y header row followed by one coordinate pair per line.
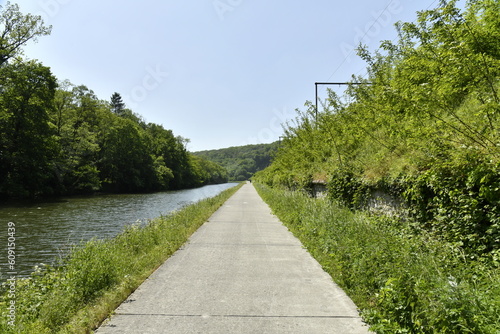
x,y
26,145
460,201
125,164
17,29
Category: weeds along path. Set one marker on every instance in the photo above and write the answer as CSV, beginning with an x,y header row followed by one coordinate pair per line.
x,y
403,280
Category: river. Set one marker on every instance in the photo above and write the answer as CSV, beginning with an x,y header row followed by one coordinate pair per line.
x,y
45,230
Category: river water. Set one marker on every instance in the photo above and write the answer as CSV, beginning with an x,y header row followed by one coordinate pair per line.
x,y
46,230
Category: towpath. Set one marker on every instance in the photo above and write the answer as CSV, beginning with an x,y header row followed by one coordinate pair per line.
x,y
241,272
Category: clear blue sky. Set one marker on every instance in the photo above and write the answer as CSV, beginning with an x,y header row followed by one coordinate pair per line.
x,y
219,72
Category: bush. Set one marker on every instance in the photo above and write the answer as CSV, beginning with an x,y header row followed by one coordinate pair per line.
x,y
458,201
92,269
348,189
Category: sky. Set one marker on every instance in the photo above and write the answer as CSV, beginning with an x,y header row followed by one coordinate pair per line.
x,y
221,73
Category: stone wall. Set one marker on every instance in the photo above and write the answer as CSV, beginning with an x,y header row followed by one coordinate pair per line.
x,y
381,202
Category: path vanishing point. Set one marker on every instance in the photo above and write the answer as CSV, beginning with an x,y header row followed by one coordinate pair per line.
x,y
241,272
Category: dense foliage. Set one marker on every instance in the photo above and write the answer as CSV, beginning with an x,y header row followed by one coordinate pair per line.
x,y
242,162
401,282
423,128
92,281
57,138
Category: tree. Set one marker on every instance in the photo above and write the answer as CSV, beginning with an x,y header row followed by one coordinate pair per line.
x,y
17,29
78,143
126,165
26,139
117,105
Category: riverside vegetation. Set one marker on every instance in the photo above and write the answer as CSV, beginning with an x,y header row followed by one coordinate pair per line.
x,y
58,139
88,284
424,130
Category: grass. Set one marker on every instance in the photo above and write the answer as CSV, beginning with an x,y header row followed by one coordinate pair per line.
x,y
80,293
402,281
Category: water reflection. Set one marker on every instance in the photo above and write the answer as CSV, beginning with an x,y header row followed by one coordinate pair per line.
x,y
45,230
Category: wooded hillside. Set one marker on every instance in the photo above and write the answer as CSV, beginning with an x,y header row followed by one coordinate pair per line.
x,y
243,161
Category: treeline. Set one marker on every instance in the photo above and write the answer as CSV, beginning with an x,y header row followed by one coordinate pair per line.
x,y
57,138
424,129
242,162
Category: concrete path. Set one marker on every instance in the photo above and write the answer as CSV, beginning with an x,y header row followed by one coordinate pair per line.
x,y
241,272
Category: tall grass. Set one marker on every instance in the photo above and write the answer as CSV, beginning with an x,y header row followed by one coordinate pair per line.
x,y
77,295
402,281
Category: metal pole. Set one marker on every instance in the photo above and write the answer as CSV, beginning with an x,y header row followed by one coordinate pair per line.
x,y
316,110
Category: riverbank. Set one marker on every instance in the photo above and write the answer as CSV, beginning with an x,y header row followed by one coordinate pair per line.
x,y
46,230
402,281
98,275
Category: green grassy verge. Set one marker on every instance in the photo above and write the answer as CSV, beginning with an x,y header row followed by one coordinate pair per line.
x,y
403,282
98,275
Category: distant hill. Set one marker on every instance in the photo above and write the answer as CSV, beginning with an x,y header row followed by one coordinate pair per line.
x,y
242,162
